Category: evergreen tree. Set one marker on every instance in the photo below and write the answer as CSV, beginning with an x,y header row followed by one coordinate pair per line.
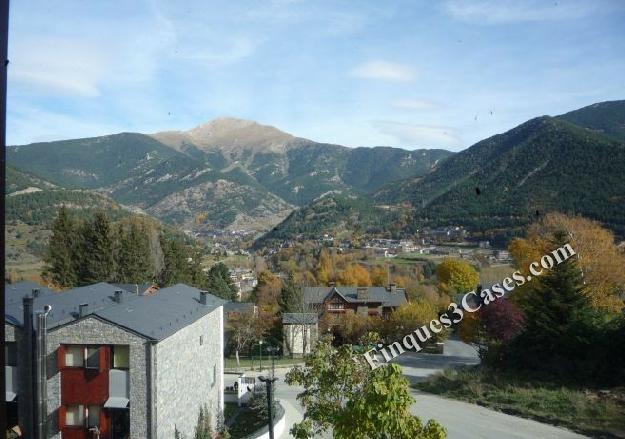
x,y
96,251
219,282
175,261
291,296
560,323
61,257
134,259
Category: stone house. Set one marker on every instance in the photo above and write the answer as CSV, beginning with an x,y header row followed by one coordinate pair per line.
x,y
299,333
105,360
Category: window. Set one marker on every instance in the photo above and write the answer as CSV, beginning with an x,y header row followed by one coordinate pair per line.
x,y
92,358
336,304
10,353
74,356
214,375
75,415
201,340
93,416
121,357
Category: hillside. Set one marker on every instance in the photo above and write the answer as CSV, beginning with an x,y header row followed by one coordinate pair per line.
x,y
339,216
544,164
603,117
225,174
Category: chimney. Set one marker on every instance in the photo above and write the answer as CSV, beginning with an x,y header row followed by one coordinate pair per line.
x,y
82,309
362,293
331,284
36,292
117,296
28,392
392,287
203,296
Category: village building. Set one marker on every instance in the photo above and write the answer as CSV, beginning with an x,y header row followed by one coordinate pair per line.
x,y
102,361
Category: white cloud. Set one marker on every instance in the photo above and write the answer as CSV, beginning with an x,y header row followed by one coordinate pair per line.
x,y
509,11
421,136
384,70
50,125
413,104
57,66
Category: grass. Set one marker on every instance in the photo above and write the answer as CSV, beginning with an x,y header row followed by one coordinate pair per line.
x,y
253,363
598,413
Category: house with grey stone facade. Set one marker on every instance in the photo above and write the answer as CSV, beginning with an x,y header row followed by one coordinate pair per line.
x,y
101,360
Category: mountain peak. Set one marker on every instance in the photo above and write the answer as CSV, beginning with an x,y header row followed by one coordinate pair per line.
x,y
229,134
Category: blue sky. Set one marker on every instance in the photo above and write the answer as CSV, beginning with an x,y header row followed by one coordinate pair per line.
x,y
359,73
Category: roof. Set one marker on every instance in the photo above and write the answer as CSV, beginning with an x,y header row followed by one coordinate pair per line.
x,y
141,288
299,318
15,292
155,316
317,295
240,307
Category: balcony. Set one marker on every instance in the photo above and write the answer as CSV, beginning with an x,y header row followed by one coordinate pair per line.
x,y
119,389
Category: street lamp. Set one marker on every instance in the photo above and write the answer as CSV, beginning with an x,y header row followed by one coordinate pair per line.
x,y
260,354
269,383
272,350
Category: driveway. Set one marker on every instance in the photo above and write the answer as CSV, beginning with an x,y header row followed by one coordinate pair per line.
x,y
462,420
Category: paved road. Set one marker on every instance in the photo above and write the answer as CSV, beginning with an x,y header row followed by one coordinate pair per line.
x,y
462,420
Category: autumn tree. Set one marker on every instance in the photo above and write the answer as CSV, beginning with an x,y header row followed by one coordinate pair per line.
x,y
267,291
325,268
410,316
599,259
354,275
245,329
342,394
379,275
456,276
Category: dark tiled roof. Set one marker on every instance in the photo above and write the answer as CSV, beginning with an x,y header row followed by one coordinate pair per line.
x,y
316,295
156,316
299,318
135,288
15,292
240,307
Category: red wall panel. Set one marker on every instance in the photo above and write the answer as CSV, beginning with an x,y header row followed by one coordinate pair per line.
x,y
86,386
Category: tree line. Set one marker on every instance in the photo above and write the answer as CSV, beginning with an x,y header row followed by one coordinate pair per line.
x,y
132,250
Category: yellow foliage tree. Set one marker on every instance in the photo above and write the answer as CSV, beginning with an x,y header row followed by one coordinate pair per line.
x,y
410,316
379,276
354,275
325,268
456,276
601,262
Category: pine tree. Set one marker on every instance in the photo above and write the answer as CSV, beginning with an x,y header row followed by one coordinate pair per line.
x,y
291,299
134,259
175,262
96,251
220,283
559,319
62,258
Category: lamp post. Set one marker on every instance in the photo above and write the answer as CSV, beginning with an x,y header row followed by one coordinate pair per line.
x,y
269,383
260,354
272,350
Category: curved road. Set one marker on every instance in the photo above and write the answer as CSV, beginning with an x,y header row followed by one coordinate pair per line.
x,y
462,420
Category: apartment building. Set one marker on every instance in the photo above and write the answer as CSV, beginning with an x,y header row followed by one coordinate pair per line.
x,y
109,363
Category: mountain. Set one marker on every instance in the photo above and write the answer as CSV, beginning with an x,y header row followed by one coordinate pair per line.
x,y
571,163
227,174
604,117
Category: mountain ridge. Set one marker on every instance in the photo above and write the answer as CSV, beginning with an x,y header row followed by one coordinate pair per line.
x,y
266,171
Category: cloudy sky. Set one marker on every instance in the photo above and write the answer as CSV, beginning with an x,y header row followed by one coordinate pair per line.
x,y
359,73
